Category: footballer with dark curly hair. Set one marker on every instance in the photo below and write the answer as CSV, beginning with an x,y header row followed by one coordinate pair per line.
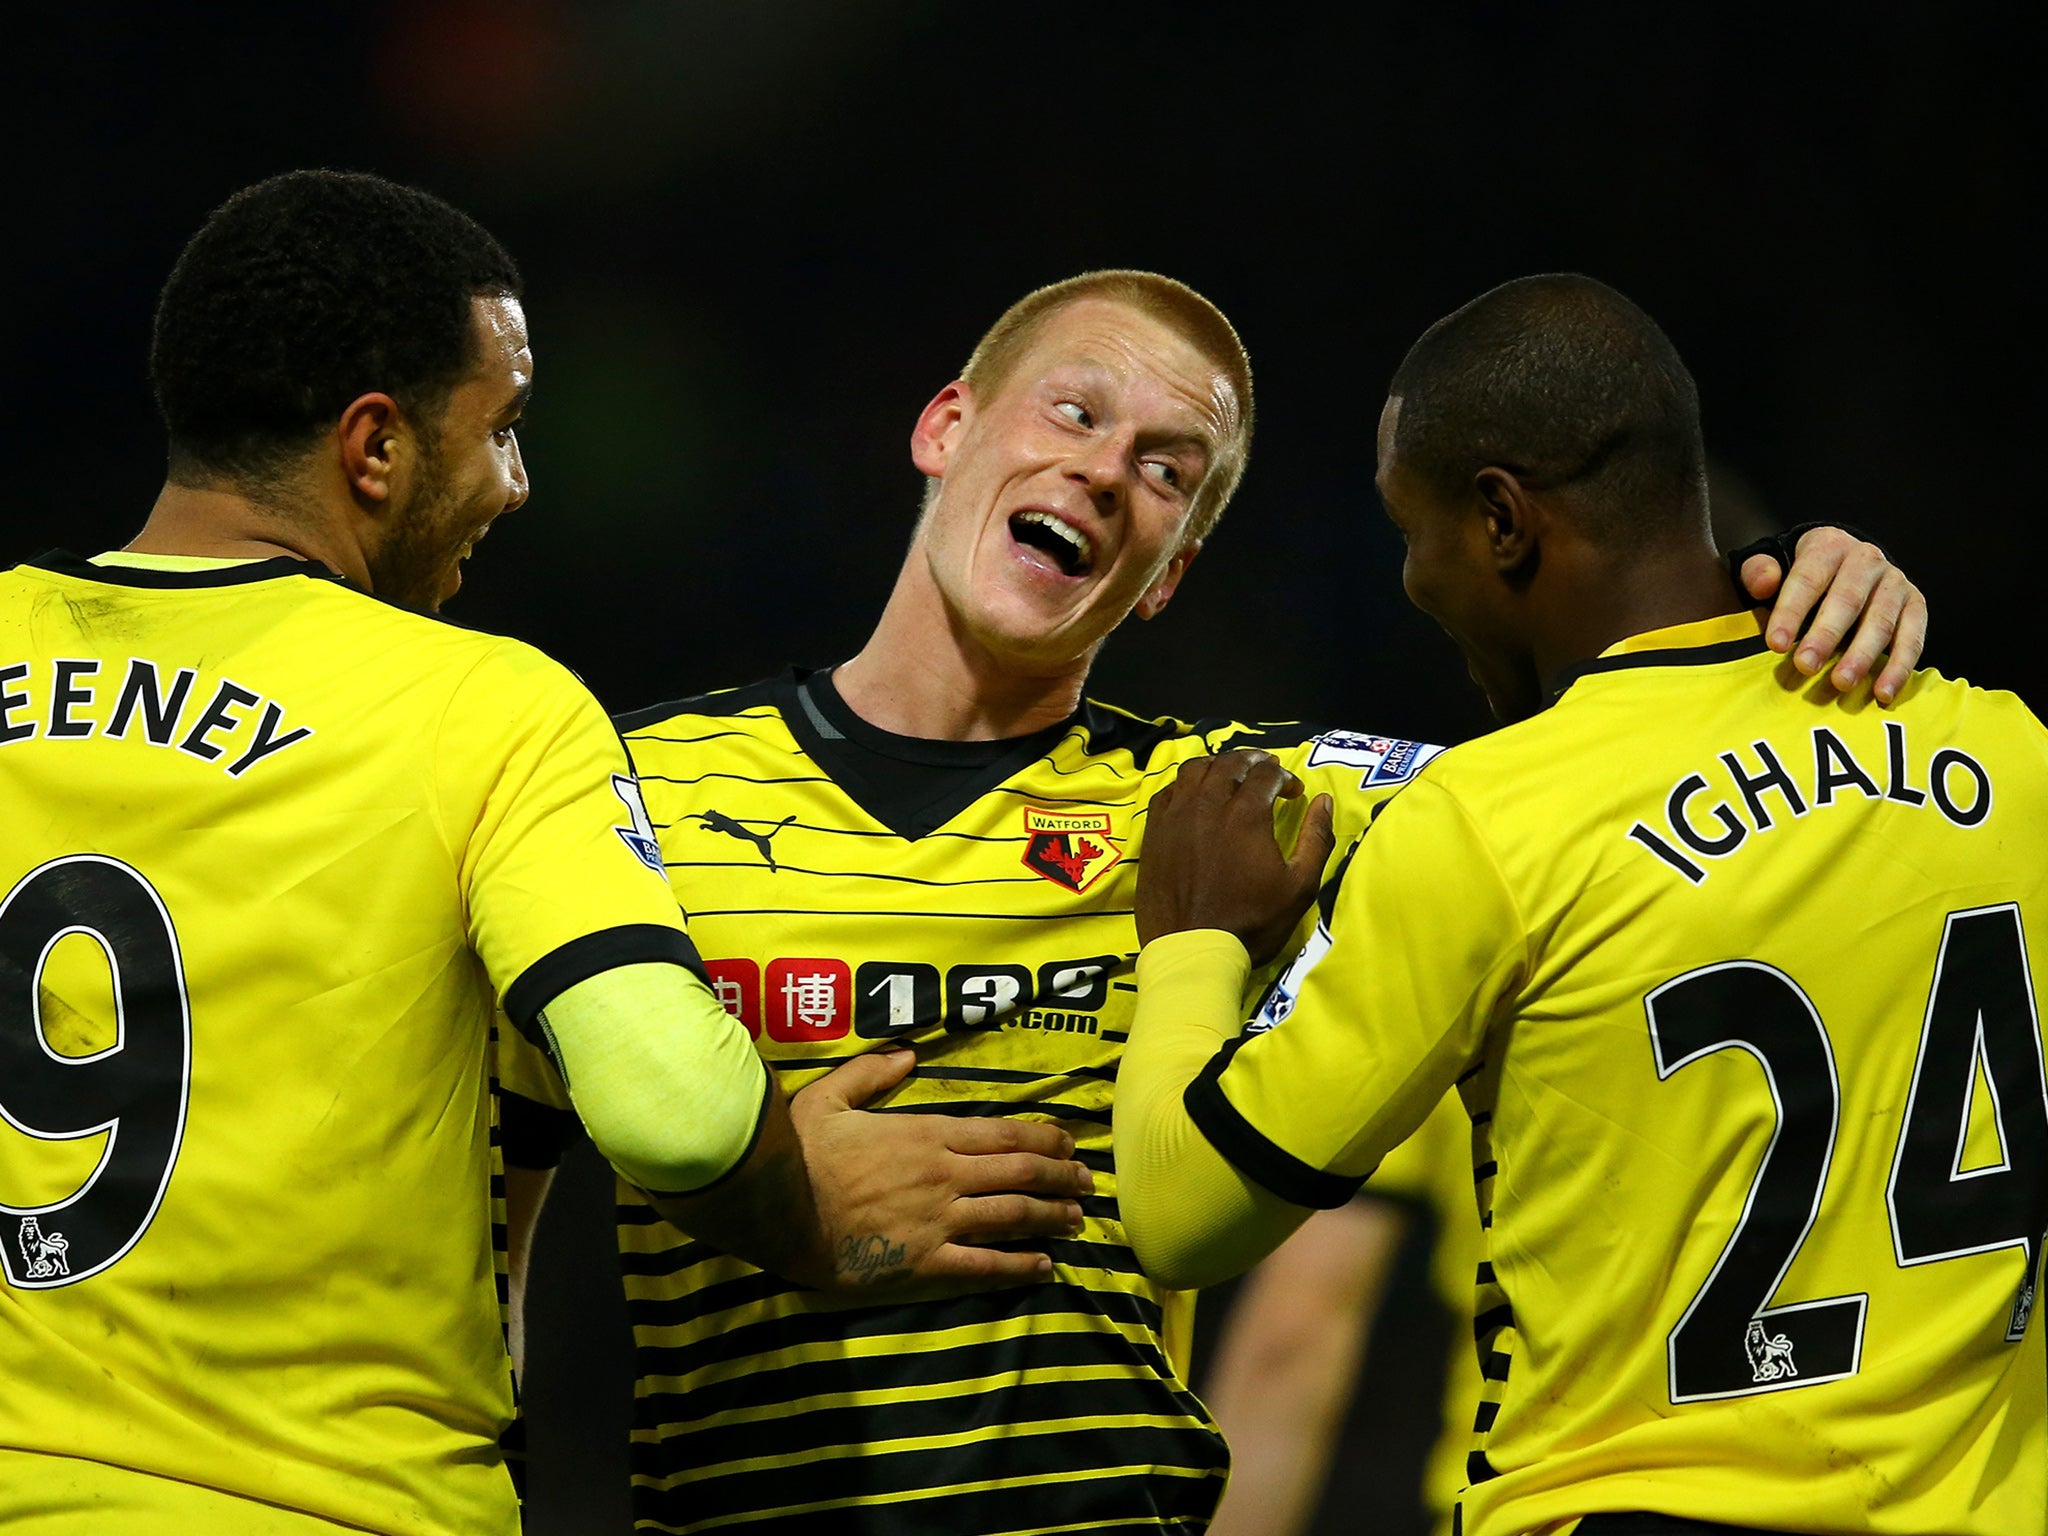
x,y
279,845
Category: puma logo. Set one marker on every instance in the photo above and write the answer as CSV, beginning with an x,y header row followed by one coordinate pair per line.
x,y
718,821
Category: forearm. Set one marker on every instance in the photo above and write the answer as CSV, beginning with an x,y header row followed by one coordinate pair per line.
x,y
1288,1360
765,1211
667,1083
1192,1218
675,1096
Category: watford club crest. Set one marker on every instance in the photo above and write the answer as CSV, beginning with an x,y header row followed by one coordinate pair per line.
x,y
1069,848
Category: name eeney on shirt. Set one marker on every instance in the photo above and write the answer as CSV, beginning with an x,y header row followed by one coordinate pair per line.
x,y
70,692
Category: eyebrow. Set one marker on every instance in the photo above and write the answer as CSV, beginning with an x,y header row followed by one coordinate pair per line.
x,y
514,408
1209,444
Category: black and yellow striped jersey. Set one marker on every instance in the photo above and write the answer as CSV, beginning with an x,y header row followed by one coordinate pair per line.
x,y
1742,982
849,889
274,849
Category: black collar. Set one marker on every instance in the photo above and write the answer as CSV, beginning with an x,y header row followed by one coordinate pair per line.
x,y
1676,656
63,562
957,773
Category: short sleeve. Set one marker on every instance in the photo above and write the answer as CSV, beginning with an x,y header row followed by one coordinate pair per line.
x,y
560,870
1378,1016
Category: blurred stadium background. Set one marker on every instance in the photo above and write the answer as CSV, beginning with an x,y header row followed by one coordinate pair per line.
x,y
759,234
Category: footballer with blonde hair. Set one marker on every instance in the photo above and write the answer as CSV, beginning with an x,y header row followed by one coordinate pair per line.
x,y
935,844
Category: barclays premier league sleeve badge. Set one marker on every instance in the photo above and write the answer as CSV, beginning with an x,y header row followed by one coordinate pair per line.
x,y
638,832
1384,759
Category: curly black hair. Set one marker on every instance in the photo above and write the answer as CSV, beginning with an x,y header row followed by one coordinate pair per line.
x,y
300,294
1567,383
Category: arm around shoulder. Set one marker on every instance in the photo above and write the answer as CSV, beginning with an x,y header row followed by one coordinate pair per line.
x,y
1224,1145
822,1193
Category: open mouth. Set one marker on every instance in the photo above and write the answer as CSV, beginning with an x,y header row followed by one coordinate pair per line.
x,y
1071,549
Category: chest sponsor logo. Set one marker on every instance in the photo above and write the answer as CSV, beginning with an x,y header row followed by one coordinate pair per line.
x,y
808,1000
1384,759
1069,848
737,985
803,1000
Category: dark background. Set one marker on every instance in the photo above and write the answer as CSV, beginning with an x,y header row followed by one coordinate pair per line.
x,y
759,234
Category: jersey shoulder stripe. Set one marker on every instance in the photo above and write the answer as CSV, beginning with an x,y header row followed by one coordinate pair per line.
x,y
717,705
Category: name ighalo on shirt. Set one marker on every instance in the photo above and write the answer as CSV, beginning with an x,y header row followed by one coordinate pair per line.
x,y
235,727
1953,782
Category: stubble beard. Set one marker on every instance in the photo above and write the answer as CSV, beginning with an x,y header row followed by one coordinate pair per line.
x,y
408,567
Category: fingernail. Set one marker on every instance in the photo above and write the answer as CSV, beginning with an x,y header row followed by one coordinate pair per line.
x,y
1781,639
1809,660
1088,1181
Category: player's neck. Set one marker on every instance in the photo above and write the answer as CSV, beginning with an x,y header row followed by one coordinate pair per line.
x,y
227,525
921,674
1647,590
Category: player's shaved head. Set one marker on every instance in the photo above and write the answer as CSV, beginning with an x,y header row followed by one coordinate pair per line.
x,y
1571,387
299,295
1173,304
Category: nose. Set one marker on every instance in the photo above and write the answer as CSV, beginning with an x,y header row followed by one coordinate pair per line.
x,y
1104,470
520,488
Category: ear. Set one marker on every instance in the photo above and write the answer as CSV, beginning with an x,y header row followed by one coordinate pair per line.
x,y
1160,593
1513,518
939,429
368,434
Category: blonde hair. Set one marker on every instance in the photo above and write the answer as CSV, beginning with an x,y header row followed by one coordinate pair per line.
x,y
1175,305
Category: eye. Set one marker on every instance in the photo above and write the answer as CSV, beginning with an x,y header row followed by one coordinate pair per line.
x,y
1165,471
1075,412
504,436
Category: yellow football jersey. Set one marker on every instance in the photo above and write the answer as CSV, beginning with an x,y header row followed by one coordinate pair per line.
x,y
1433,1169
274,849
1736,981
848,890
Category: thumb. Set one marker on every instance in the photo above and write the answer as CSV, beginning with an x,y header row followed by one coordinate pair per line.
x,y
865,1077
1318,840
1761,576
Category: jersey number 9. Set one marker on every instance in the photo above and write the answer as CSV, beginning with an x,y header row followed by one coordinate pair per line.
x,y
134,1090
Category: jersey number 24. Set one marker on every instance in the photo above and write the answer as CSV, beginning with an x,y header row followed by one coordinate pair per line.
x,y
1731,1341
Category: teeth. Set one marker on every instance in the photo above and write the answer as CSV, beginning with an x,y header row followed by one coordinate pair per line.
x,y
1084,547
